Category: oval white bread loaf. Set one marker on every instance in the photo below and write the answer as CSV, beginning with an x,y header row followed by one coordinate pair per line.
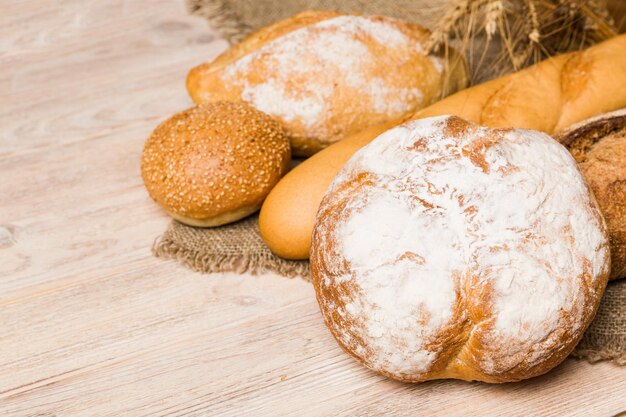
x,y
548,97
325,75
447,250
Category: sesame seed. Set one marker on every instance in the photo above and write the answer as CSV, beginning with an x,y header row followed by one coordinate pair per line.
x,y
204,161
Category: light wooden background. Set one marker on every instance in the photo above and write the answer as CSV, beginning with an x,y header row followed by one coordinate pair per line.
x,y
92,325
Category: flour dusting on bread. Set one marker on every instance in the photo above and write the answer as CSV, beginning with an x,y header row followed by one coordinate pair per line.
x,y
292,71
441,236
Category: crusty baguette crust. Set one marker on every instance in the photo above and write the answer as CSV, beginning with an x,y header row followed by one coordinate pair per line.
x,y
284,227
548,97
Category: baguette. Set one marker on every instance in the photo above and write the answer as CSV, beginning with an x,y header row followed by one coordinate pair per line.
x,y
548,97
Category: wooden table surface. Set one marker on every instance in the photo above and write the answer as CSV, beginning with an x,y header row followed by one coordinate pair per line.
x,y
93,325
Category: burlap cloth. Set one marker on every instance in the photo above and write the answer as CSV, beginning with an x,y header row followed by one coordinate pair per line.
x,y
236,247
239,248
236,18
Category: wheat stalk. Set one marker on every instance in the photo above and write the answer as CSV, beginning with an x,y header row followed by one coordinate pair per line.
x,y
447,24
493,12
521,31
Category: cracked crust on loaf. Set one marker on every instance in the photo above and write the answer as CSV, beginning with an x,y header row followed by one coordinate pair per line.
x,y
448,250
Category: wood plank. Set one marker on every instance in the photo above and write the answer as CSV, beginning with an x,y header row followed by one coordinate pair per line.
x,y
62,100
93,324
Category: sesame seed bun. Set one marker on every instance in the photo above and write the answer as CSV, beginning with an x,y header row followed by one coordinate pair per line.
x,y
214,163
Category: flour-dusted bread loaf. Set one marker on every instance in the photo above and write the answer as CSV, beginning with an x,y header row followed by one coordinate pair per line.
x,y
448,250
214,163
325,75
549,96
599,146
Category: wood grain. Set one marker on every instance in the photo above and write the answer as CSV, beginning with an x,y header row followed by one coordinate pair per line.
x,y
93,325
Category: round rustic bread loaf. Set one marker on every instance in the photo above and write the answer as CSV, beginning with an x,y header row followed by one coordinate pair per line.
x,y
215,163
448,250
599,146
324,75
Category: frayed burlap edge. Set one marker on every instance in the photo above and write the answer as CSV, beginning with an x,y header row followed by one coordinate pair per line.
x,y
222,18
251,263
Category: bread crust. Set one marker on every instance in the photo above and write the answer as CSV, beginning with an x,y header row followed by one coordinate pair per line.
x,y
284,227
548,97
443,250
599,146
326,75
214,163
